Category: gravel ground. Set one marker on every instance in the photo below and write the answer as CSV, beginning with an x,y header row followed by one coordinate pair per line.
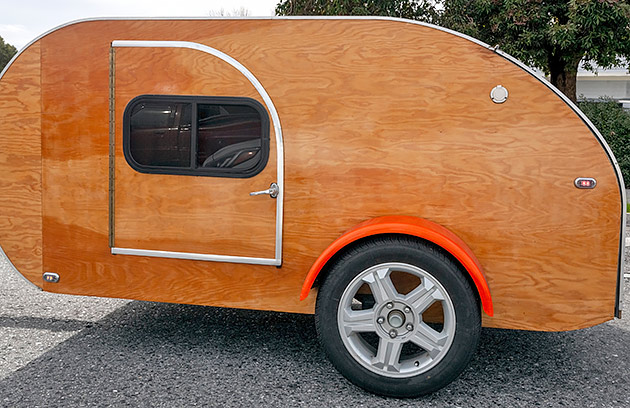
x,y
58,350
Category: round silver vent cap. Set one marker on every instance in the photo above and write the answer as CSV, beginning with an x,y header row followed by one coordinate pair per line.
x,y
499,94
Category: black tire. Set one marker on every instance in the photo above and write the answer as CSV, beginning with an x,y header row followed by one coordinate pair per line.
x,y
352,360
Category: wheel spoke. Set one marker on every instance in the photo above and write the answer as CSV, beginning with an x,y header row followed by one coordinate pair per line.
x,y
381,285
423,296
429,339
377,323
356,321
388,355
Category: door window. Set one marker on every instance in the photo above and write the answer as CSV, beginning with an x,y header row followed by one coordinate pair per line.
x,y
195,135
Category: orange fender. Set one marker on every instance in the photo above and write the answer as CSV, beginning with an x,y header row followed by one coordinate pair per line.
x,y
416,227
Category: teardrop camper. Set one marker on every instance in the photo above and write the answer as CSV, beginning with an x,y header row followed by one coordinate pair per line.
x,y
405,183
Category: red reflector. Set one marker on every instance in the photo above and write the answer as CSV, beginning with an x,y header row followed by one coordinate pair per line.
x,y
585,182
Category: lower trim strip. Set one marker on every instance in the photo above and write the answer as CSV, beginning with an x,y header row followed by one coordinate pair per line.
x,y
195,257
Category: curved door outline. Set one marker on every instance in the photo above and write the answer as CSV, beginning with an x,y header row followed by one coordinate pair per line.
x,y
277,261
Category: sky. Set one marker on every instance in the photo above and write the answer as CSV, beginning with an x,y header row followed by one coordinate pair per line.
x,y
23,20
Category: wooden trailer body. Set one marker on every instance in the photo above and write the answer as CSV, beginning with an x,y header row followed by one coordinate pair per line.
x,y
366,118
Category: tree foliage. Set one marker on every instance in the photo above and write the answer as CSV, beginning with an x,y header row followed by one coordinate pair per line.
x,y
236,12
552,35
7,51
614,124
412,9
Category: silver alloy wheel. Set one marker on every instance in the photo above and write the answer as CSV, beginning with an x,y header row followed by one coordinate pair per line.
x,y
396,319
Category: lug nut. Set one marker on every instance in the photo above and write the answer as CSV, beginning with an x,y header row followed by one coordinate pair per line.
x,y
409,327
390,305
407,309
417,363
393,334
380,320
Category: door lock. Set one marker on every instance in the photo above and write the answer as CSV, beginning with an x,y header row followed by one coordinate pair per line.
x,y
273,191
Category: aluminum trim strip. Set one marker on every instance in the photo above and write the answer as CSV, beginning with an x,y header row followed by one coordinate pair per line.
x,y
195,256
620,286
402,20
15,270
268,102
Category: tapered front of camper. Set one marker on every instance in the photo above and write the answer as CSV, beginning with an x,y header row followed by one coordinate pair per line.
x,y
378,117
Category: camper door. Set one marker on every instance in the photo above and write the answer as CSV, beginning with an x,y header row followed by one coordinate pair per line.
x,y
194,156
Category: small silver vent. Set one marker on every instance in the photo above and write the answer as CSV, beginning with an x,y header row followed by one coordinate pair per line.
x,y
499,94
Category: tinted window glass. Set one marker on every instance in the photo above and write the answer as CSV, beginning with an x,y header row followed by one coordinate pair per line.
x,y
211,136
160,134
228,136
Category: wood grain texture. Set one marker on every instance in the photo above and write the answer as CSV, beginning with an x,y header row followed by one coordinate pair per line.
x,y
20,165
208,215
370,129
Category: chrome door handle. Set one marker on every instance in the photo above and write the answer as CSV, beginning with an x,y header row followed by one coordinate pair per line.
x,y
273,191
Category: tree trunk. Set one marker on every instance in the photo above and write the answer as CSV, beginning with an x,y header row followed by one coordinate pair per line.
x,y
563,75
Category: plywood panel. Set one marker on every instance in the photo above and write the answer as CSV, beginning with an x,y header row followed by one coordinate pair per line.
x,y
208,215
370,129
20,165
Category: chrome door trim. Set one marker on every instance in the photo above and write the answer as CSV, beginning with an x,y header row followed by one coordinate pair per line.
x,y
279,157
195,256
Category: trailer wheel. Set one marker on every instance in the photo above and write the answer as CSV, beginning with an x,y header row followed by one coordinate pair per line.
x,y
397,317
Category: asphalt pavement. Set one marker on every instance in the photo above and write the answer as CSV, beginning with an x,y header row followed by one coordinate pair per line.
x,y
70,351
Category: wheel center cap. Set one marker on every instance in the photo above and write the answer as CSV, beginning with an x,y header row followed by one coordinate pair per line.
x,y
396,318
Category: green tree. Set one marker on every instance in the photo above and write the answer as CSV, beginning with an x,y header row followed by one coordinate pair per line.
x,y
614,124
7,51
412,9
552,35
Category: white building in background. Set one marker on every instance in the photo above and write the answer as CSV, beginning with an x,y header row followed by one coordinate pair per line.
x,y
613,83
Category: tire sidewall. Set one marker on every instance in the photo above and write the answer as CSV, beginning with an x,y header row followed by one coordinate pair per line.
x,y
465,304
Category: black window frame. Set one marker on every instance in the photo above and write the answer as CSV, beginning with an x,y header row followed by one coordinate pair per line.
x,y
193,169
